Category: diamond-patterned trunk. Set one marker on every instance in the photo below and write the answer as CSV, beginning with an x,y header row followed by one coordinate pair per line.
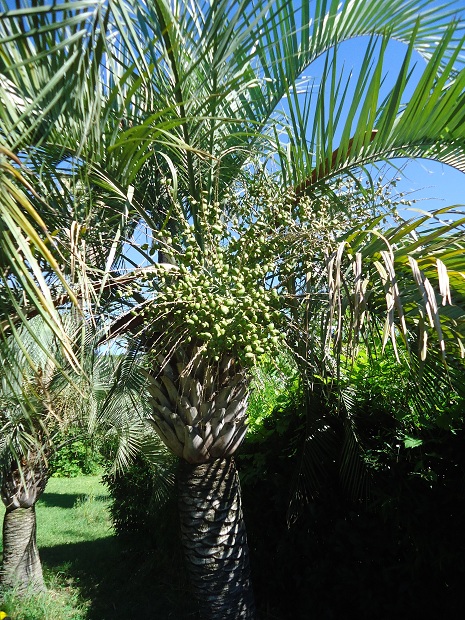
x,y
214,540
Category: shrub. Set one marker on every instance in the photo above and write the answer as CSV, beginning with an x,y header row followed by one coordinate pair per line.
x,y
143,497
271,383
75,457
394,552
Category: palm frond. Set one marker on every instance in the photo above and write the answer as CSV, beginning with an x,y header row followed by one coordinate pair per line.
x,y
26,243
345,124
407,281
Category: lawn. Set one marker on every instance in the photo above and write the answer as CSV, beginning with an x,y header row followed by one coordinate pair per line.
x,y
91,574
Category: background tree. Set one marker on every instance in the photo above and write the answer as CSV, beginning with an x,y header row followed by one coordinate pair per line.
x,y
31,415
42,397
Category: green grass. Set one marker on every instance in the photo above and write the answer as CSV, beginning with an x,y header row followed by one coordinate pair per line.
x,y
62,601
92,575
73,510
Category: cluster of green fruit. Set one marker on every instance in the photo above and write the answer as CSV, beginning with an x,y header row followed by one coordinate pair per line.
x,y
226,265
232,266
220,306
219,290
224,284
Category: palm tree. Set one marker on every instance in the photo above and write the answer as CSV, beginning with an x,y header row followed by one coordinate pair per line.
x,y
161,117
43,397
30,417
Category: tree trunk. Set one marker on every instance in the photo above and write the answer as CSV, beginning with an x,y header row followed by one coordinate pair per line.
x,y
22,485
200,412
21,563
214,539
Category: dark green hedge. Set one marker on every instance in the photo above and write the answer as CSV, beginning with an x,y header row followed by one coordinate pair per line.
x,y
396,552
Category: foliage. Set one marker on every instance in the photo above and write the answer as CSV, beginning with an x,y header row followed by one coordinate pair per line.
x,y
339,552
76,457
412,422
143,497
24,234
271,380
380,381
278,431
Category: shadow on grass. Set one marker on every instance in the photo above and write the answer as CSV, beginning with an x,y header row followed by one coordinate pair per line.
x,y
66,500
127,581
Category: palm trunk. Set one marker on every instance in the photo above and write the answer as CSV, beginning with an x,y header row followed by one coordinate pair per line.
x,y
214,540
200,412
21,563
20,490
